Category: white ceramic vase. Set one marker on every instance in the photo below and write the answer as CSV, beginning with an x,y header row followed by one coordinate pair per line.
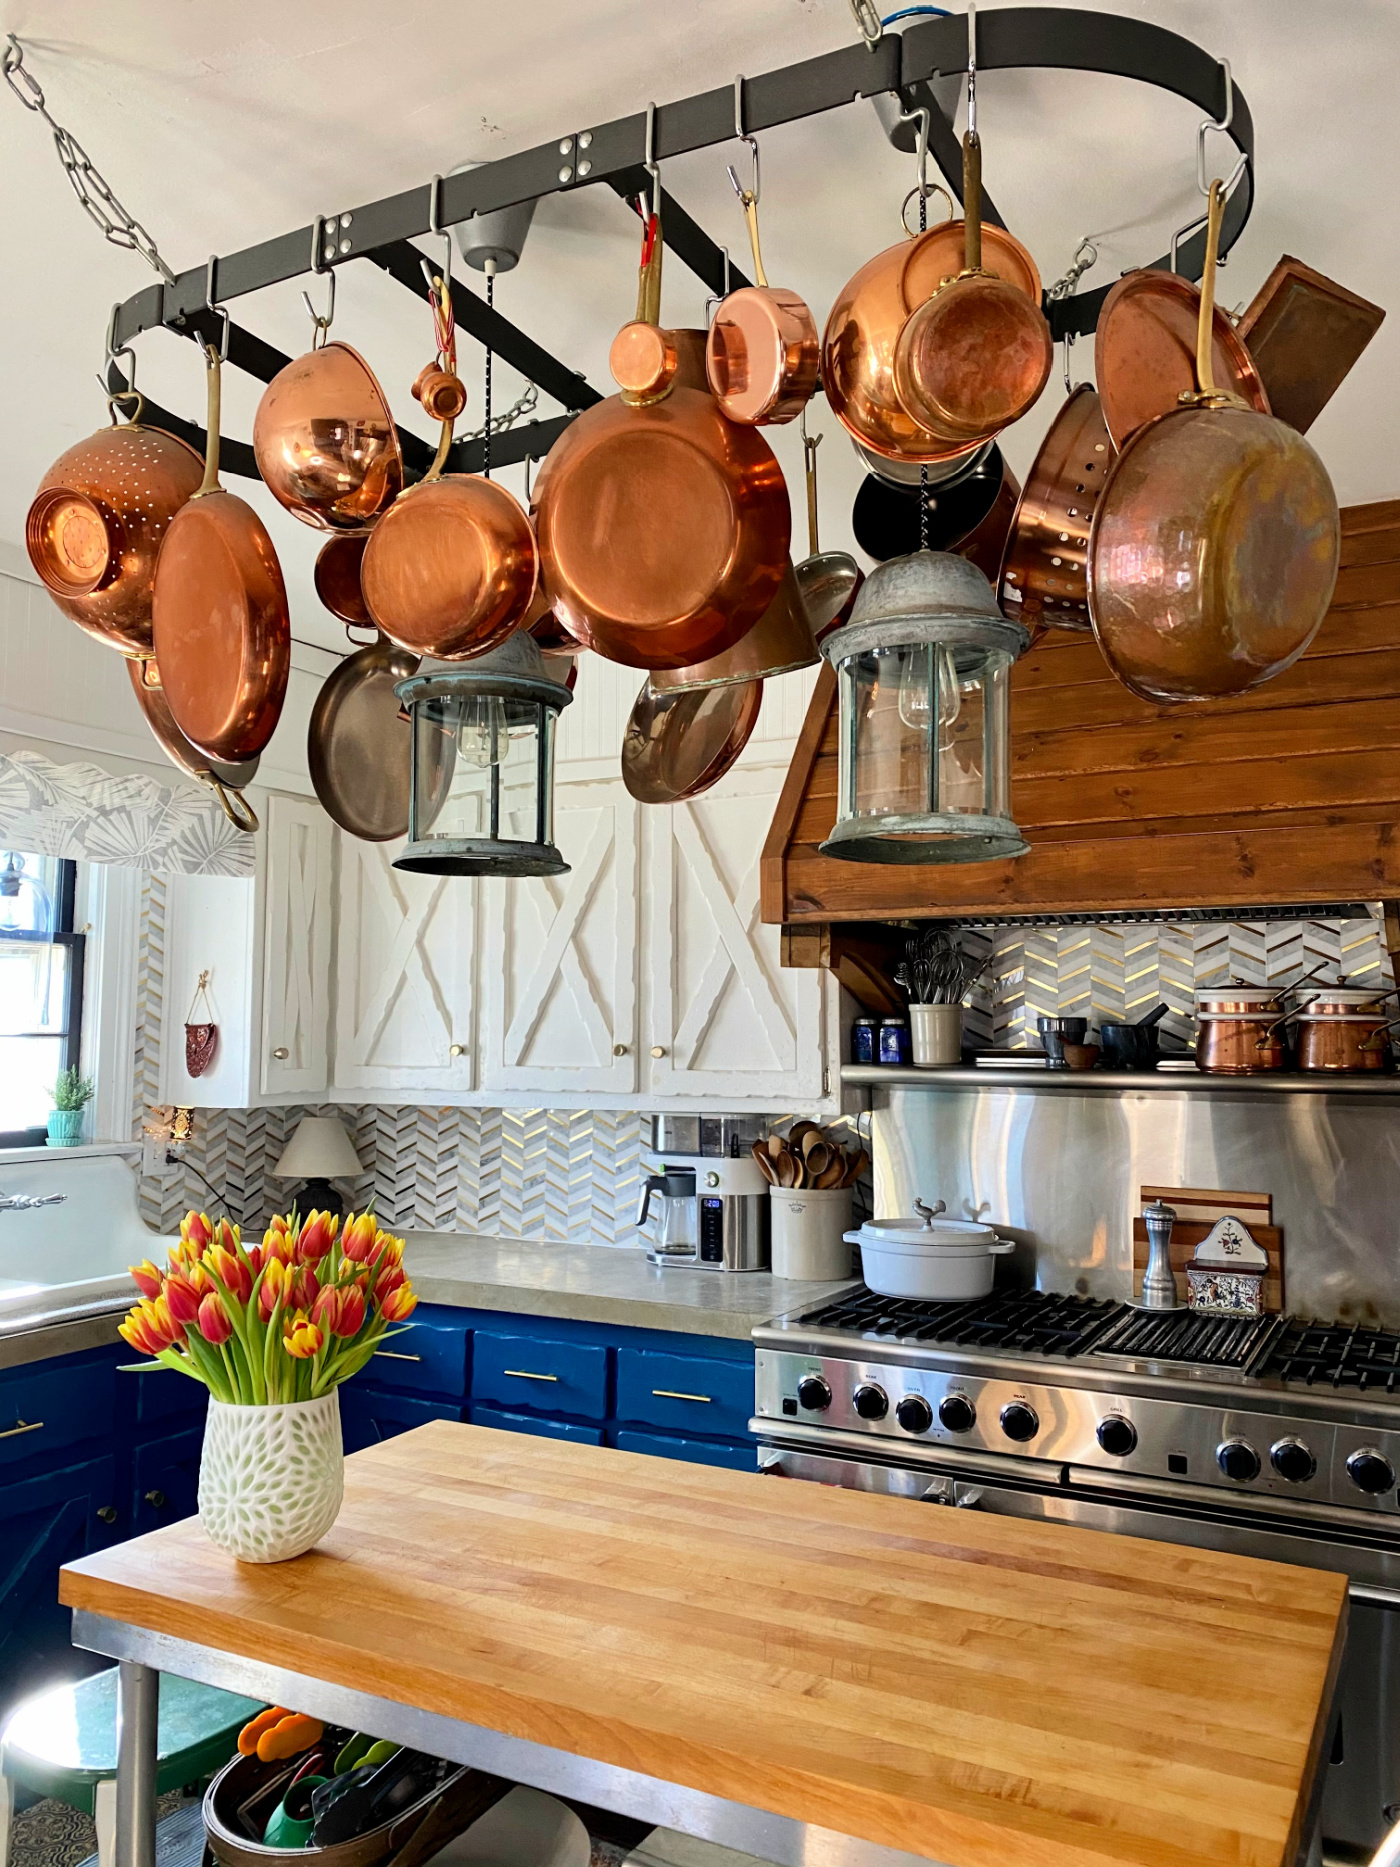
x,y
271,1478
935,1035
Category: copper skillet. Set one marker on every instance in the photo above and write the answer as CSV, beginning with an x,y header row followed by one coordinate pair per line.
x,y
226,781
359,747
663,527
221,632
679,744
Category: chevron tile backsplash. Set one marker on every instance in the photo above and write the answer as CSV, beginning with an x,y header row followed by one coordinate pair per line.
x,y
574,1175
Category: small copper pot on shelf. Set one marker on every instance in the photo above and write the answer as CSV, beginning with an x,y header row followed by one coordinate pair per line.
x,y
1343,1031
1240,1031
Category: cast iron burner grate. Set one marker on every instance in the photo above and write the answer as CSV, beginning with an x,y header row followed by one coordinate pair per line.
x,y
1336,1354
1184,1335
1034,1321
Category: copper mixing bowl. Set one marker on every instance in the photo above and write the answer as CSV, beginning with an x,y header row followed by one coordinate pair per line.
x,y
96,524
326,443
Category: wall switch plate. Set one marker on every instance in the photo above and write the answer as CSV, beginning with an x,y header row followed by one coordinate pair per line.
x,y
153,1148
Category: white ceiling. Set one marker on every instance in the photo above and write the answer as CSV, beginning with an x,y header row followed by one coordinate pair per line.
x,y
222,126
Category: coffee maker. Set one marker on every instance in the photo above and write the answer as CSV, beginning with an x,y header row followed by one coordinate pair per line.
x,y
709,1200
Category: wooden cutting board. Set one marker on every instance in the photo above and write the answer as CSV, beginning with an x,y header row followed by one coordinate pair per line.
x,y
980,1690
1204,1206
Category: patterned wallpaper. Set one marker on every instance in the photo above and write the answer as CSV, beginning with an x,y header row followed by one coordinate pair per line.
x,y
574,1175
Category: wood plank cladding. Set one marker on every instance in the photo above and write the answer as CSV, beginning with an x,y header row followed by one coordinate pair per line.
x,y
1287,794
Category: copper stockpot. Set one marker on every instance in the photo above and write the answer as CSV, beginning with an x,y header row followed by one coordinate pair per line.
x,y
780,642
325,441
1214,548
1343,1041
96,523
337,578
220,626
1043,576
1145,352
763,354
227,781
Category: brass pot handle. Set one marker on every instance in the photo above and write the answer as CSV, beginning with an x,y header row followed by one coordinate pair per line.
x,y
237,809
972,201
1205,320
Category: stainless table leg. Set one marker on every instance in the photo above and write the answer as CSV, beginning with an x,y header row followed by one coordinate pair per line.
x,y
138,1698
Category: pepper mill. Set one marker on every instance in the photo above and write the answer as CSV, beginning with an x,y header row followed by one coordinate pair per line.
x,y
1158,1283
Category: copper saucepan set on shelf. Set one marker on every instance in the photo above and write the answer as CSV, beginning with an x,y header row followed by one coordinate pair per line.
x,y
1339,1030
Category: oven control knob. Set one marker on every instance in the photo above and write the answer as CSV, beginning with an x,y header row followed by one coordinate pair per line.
x,y
956,1413
813,1393
914,1414
872,1403
1291,1459
1116,1435
1370,1472
1238,1460
1019,1421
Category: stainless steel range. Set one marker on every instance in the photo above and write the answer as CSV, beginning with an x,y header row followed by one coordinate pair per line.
x,y
1267,1437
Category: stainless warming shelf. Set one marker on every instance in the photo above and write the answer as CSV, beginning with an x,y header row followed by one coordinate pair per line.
x,y
1098,1082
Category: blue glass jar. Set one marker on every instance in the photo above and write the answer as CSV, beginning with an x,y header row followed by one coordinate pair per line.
x,y
894,1041
865,1044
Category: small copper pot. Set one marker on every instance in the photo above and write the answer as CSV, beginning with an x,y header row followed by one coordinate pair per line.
x,y
1343,1041
1240,1031
762,355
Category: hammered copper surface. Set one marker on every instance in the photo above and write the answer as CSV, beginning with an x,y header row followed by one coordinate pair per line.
x,y
1043,573
972,359
1145,352
95,528
325,440
678,745
763,355
146,685
359,745
663,530
337,578
451,568
780,642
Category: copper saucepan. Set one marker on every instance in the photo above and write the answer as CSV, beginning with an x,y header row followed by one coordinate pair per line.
x,y
325,441
1215,545
226,781
96,523
663,527
1043,578
222,635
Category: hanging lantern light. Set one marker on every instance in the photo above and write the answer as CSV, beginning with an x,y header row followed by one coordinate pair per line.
x,y
481,799
923,674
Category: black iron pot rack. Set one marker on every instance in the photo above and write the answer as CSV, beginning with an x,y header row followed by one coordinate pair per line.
x,y
1010,38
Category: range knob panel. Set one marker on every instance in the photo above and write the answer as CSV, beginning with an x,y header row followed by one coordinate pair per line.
x,y
1019,1420
871,1401
1238,1460
813,1393
1369,1471
956,1413
1117,1435
1292,1460
914,1414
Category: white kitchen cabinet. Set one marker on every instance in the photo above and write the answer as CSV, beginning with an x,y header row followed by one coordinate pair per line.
x,y
296,929
405,979
210,927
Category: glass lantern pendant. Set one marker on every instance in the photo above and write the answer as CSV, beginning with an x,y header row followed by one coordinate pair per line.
x,y
923,678
481,800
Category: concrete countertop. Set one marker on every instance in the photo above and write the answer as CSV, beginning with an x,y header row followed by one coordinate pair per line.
x,y
598,1283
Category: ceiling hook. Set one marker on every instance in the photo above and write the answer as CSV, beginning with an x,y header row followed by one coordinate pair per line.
x,y
320,322
1207,124
436,227
650,162
742,135
211,303
868,20
972,70
922,117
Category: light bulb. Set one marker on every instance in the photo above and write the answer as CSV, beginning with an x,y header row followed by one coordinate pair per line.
x,y
482,736
915,681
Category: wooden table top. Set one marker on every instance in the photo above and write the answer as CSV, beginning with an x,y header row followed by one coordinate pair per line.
x,y
981,1690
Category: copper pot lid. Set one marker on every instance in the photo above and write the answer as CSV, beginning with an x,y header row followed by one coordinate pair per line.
x,y
95,527
1145,352
337,578
450,569
359,745
780,642
325,440
678,745
1044,571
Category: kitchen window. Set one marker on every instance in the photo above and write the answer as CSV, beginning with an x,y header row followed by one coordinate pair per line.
x,y
41,990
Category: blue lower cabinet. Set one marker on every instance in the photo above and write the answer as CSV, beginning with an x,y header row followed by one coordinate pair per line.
x,y
45,1522
48,1406
685,1393
368,1416
165,1480
428,1359
735,1457
163,1398
541,1428
525,1372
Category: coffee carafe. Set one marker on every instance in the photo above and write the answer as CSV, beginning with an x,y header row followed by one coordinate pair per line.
x,y
673,1239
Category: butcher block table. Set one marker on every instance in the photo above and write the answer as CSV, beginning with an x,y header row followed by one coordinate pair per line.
x,y
815,1676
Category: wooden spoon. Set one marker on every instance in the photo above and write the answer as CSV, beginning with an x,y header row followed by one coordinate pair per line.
x,y
765,1164
776,1146
799,1131
813,1138
787,1169
856,1167
816,1159
834,1173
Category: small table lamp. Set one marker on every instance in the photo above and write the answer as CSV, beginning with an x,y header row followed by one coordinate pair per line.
x,y
318,1150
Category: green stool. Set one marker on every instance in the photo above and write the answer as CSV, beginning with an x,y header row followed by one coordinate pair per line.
x,y
63,1743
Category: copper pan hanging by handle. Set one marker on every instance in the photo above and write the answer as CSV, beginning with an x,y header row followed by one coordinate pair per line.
x,y
678,745
226,781
359,745
1145,352
220,624
780,642
828,580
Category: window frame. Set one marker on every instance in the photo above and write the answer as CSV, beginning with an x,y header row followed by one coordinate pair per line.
x,y
71,1049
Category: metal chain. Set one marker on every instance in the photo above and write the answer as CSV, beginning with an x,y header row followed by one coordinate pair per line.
x,y
486,400
1085,255
99,203
524,406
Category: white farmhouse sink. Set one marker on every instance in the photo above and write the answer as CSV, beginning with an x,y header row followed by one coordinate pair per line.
x,y
75,1255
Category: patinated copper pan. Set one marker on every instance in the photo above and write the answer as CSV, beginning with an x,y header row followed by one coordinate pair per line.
x,y
337,578
221,631
680,744
1214,548
96,524
326,443
1145,352
763,353
227,781
1043,577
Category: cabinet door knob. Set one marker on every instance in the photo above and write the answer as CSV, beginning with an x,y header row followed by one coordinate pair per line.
x,y
281,1053
457,1050
107,1512
658,1050
156,1499
619,1050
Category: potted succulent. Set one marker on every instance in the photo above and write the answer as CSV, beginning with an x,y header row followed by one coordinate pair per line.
x,y
271,1330
71,1095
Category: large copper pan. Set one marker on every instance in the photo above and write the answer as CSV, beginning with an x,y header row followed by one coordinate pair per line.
x,y
220,626
1043,579
663,527
1145,352
1214,548
227,781
679,744
96,524
762,355
325,441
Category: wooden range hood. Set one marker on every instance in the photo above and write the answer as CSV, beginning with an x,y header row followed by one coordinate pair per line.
x,y
1287,795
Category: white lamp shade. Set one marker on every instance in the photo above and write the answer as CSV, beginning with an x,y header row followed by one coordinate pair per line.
x,y
320,1149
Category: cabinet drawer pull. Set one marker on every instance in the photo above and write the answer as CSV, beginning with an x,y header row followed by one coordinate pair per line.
x,y
392,1354
524,1374
669,1393
107,1512
281,1053
156,1499
35,1426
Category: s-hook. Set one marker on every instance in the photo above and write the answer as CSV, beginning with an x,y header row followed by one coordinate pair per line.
x,y
651,165
751,195
320,322
212,305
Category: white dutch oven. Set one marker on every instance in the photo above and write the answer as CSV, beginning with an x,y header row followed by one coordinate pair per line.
x,y
948,1260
